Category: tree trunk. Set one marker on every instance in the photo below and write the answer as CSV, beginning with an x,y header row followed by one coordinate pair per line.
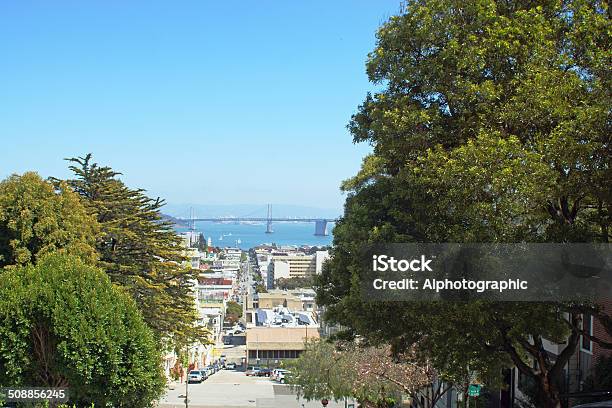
x,y
548,393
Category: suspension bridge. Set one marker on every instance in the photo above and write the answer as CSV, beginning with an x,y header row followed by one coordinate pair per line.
x,y
320,223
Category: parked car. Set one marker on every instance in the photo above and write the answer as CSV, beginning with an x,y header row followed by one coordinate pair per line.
x,y
252,370
282,376
196,376
230,366
264,372
276,372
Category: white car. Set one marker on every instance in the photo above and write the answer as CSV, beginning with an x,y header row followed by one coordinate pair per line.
x,y
281,377
196,376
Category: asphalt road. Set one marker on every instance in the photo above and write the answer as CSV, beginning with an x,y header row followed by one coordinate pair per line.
x,y
233,389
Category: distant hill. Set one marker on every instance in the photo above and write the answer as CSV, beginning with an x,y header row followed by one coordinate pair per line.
x,y
248,210
175,221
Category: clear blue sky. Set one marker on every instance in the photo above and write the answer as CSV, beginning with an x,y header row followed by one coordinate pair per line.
x,y
198,102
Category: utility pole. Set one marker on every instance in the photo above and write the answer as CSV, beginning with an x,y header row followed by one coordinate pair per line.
x,y
187,379
187,391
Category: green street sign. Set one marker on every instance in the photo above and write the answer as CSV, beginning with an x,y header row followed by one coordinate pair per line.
x,y
474,390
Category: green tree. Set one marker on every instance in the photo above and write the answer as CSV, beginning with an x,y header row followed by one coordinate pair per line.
x,y
202,243
373,375
139,250
294,282
64,324
599,380
233,312
36,219
492,125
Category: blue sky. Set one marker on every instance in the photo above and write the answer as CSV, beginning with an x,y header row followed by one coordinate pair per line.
x,y
223,102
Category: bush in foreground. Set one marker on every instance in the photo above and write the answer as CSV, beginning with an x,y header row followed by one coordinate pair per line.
x,y
63,324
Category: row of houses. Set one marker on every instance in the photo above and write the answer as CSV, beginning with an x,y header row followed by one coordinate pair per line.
x,y
216,284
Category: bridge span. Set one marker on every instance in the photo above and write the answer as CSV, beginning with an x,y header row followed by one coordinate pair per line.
x,y
320,223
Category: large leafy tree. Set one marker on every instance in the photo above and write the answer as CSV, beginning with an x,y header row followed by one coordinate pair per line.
x,y
139,250
374,375
36,218
492,125
64,324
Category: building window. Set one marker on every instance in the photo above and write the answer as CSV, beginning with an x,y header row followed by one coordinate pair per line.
x,y
585,343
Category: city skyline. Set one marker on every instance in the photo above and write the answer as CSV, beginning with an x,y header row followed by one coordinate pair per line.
x,y
224,105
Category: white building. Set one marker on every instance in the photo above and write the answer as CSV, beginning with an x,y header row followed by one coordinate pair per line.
x,y
294,266
320,258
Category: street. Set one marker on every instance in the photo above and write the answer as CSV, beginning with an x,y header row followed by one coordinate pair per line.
x,y
229,388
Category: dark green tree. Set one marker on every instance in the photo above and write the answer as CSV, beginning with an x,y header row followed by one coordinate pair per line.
x,y
599,380
64,324
294,282
202,243
36,219
233,312
492,125
139,250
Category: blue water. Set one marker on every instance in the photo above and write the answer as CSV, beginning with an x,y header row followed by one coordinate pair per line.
x,y
250,235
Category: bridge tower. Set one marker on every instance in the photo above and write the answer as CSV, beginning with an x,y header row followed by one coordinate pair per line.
x,y
269,220
321,228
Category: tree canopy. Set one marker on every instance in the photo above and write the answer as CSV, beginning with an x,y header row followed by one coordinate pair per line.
x,y
37,219
372,374
233,311
492,125
64,324
294,282
139,250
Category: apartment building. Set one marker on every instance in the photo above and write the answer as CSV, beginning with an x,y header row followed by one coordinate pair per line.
x,y
293,266
269,346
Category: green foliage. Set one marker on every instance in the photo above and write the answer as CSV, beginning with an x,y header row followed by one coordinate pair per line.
x,y
64,324
139,250
492,125
202,243
294,282
234,308
37,219
372,375
318,372
233,311
600,379
260,288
